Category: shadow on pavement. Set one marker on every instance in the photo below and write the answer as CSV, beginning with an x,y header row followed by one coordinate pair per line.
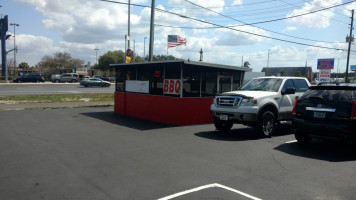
x,y
322,150
127,121
241,134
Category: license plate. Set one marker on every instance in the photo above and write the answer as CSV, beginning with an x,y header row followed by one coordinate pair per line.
x,y
224,117
319,115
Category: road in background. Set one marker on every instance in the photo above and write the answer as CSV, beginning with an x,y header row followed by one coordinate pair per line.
x,y
25,89
93,153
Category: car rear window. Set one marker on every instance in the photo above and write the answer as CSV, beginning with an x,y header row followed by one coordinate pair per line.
x,y
331,93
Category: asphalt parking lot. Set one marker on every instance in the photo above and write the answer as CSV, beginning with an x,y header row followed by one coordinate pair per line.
x,y
93,153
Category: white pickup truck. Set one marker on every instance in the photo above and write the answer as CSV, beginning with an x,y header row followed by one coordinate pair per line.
x,y
260,103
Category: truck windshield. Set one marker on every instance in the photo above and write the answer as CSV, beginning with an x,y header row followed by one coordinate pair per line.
x,y
265,84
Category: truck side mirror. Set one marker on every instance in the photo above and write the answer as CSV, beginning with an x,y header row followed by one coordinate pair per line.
x,y
289,91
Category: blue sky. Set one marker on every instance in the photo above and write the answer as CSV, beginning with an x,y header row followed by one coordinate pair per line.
x,y
80,26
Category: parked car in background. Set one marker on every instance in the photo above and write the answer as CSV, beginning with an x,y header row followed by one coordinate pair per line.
x,y
69,77
94,82
55,78
326,111
103,78
29,78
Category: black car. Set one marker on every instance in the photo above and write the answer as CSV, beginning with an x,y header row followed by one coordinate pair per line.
x,y
94,82
326,111
29,78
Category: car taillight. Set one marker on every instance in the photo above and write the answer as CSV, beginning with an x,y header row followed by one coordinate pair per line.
x,y
295,107
353,111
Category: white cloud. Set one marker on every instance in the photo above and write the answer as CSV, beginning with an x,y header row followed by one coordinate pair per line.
x,y
236,3
186,8
319,19
32,48
229,37
349,7
290,28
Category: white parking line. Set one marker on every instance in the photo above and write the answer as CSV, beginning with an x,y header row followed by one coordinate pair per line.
x,y
208,186
292,141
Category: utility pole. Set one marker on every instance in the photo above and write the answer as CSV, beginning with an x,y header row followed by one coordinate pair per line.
x,y
348,52
150,55
128,31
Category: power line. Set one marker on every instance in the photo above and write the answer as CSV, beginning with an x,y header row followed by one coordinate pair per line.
x,y
294,16
318,14
247,4
246,32
282,40
321,7
254,26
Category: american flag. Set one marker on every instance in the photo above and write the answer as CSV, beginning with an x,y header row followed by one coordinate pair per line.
x,y
175,40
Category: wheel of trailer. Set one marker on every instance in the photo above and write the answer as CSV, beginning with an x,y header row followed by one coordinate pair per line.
x,y
302,137
267,123
223,126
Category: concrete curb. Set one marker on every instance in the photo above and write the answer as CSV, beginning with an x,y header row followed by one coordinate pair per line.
x,y
54,105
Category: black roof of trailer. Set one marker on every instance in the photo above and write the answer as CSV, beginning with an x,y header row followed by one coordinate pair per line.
x,y
186,62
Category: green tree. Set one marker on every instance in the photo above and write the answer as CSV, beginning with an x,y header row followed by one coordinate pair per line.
x,y
59,63
247,64
283,73
111,57
298,74
163,57
24,66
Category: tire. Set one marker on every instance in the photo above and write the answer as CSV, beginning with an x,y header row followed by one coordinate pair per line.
x,y
106,85
73,81
302,138
223,126
89,85
57,81
267,123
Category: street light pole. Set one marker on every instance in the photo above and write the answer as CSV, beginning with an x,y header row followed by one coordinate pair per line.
x,y
96,55
15,48
144,48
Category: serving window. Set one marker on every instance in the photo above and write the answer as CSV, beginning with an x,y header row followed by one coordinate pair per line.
x,y
176,79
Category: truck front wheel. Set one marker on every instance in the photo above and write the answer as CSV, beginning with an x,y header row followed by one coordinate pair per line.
x,y
223,126
267,123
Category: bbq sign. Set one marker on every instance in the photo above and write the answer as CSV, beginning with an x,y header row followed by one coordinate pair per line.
x,y
327,63
172,86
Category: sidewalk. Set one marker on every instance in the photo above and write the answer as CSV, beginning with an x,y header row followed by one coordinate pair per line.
x,y
54,105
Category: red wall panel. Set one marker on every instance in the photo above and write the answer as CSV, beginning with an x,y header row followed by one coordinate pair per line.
x,y
170,110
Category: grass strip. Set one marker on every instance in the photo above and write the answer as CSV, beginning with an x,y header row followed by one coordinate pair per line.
x,y
56,98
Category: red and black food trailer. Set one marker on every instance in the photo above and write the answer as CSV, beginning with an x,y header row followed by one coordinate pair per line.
x,y
177,92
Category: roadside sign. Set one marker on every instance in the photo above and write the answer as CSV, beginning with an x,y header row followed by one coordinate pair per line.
x,y
327,63
324,75
353,67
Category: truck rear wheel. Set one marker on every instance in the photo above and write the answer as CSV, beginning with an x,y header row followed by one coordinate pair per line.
x,y
223,126
267,123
